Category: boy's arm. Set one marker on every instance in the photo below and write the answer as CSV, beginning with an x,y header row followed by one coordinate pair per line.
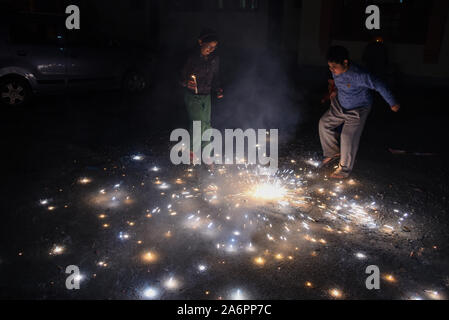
x,y
332,91
374,83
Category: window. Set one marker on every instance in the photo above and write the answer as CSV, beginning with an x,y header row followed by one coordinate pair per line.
x,y
402,21
238,5
249,4
184,5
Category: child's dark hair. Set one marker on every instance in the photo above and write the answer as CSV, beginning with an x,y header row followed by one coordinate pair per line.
x,y
337,54
208,35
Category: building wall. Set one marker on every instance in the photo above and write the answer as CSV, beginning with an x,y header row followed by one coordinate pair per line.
x,y
125,20
291,26
309,52
240,30
408,58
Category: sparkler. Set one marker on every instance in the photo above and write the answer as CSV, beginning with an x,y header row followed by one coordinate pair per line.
x,y
195,82
259,261
56,250
360,255
84,180
149,257
238,294
432,294
171,283
137,158
202,268
313,163
123,236
151,293
267,191
279,256
336,293
390,278
79,277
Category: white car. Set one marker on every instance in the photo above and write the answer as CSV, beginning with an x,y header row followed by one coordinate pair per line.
x,y
38,55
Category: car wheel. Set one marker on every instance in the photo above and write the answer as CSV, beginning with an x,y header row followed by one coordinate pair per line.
x,y
14,92
134,82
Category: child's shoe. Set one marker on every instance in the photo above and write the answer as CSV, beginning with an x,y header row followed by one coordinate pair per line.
x,y
340,174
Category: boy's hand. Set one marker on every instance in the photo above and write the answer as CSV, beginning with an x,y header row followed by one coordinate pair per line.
x,y
332,89
220,94
333,94
191,85
396,108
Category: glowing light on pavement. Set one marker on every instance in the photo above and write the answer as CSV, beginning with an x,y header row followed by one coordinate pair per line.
x,y
149,257
57,250
336,293
238,294
84,180
268,191
229,218
151,293
171,283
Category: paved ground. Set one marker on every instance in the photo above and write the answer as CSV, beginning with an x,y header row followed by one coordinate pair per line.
x,y
140,228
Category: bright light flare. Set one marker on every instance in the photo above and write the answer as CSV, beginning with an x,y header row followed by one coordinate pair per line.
x,y
432,294
151,293
336,293
57,250
360,256
137,157
259,261
122,235
171,283
267,191
149,257
313,163
237,294
390,278
84,180
102,264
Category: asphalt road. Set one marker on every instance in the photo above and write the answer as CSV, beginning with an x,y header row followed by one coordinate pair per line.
x,y
145,229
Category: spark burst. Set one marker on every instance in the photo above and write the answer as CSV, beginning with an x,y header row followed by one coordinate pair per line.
x,y
236,205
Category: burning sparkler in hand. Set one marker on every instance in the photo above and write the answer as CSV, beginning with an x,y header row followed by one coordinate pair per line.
x,y
194,84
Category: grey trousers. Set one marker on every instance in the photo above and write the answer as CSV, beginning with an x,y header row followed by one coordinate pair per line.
x,y
353,122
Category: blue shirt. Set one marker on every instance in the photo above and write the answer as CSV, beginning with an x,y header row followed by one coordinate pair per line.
x,y
355,88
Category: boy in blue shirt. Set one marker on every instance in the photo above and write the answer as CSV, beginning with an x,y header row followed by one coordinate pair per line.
x,y
351,100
